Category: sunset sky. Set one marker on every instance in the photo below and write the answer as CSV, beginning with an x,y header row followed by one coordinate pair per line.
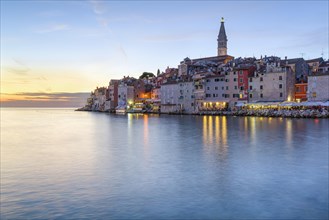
x,y
54,52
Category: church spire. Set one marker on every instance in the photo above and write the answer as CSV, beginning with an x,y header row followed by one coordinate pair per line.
x,y
222,40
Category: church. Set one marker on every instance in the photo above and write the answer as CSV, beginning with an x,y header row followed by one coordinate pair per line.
x,y
222,56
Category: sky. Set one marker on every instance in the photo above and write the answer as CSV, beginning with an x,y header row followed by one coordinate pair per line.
x,y
53,53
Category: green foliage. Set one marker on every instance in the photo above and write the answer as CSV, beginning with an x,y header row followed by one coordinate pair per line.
x,y
158,72
146,75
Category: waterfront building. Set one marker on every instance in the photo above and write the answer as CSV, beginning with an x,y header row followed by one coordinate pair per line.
x,y
274,83
99,99
324,67
186,97
169,97
156,93
314,64
215,97
244,72
301,92
125,95
298,66
318,89
113,94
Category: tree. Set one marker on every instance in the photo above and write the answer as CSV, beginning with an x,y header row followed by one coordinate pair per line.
x,y
146,75
158,72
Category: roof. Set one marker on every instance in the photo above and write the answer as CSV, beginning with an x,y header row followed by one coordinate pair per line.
x,y
222,34
292,61
320,59
214,58
324,64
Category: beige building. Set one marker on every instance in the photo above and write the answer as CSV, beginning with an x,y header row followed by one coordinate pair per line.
x,y
318,87
125,95
276,83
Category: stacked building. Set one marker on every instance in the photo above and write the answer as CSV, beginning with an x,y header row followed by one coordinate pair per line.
x,y
219,82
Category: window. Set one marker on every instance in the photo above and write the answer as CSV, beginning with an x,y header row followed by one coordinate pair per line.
x,y
226,80
241,88
208,88
281,94
250,87
261,95
280,77
216,87
235,95
261,79
226,87
241,80
280,86
261,87
297,89
241,72
208,95
216,80
235,87
208,80
250,96
192,104
222,87
234,79
222,79
250,79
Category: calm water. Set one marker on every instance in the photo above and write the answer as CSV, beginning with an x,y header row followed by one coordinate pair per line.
x,y
57,163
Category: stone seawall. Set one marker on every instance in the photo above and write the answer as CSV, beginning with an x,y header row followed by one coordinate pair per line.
x,y
300,113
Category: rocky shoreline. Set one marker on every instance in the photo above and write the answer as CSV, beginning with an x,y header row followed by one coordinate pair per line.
x,y
285,113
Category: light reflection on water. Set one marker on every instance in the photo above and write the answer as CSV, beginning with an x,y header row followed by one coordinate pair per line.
x,y
56,163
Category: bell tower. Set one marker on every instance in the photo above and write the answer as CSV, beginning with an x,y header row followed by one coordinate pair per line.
x,y
222,40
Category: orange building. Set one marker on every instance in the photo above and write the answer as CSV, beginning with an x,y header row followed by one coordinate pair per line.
x,y
300,92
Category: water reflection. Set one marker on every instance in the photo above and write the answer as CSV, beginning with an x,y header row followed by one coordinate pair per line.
x,y
289,132
215,134
139,166
146,130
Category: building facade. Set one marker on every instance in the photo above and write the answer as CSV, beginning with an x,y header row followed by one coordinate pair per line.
x,y
318,89
276,84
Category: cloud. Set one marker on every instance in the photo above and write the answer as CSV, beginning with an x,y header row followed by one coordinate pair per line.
x,y
54,28
123,52
17,71
19,67
98,7
43,99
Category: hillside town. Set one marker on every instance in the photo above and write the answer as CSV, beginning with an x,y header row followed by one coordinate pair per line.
x,y
223,85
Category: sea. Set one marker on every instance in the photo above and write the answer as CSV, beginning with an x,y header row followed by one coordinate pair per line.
x,y
63,164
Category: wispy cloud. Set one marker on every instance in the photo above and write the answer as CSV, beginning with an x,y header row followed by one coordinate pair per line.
x,y
19,67
54,28
43,99
98,7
